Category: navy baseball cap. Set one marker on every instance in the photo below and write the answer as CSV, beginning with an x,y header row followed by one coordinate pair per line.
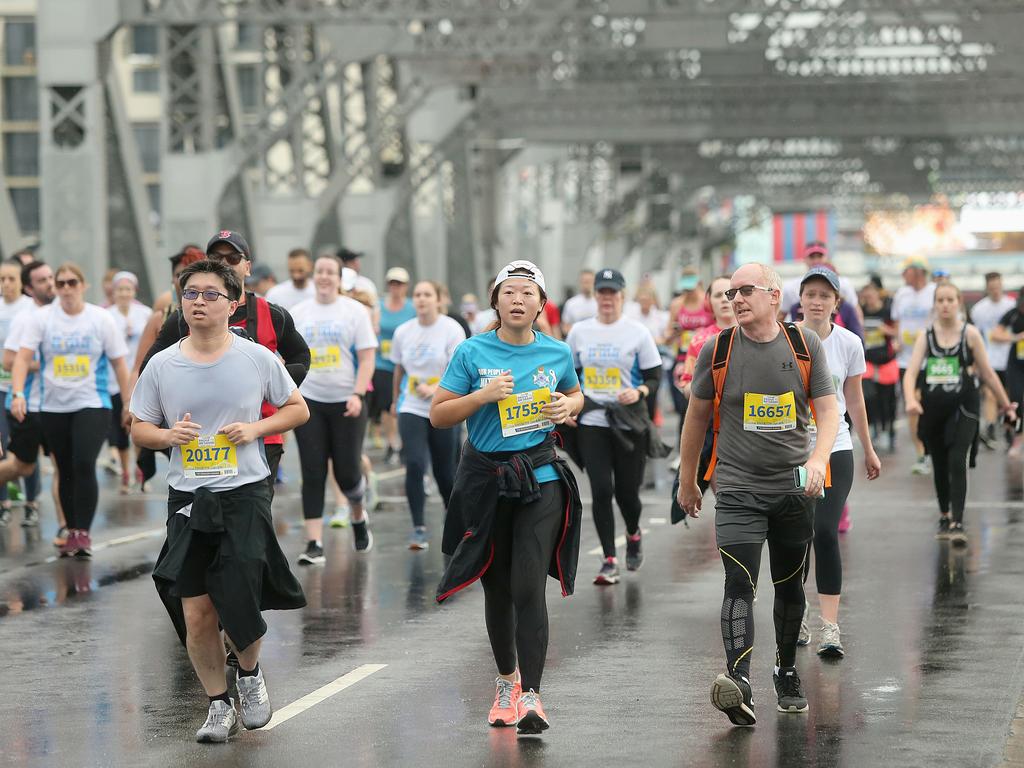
x,y
609,278
234,239
823,272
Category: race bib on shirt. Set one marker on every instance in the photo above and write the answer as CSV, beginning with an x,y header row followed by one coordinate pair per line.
x,y
70,367
942,370
521,413
769,413
909,337
415,381
602,380
209,456
325,358
385,348
1020,349
874,338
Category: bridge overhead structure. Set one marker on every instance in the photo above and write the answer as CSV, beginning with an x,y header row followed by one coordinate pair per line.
x,y
401,126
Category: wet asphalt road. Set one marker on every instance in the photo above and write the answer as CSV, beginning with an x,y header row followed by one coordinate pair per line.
x,y
93,674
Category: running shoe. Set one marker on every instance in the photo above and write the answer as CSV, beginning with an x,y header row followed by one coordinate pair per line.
x,y
109,465
418,540
340,518
530,713
84,547
830,646
5,517
30,516
957,537
634,552
221,723
70,546
804,638
362,536
372,500
61,538
988,440
921,467
392,458
253,700
314,555
609,573
13,490
943,531
791,695
505,710
732,695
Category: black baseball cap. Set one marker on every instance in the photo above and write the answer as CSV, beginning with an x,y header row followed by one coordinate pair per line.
x,y
347,255
234,239
609,278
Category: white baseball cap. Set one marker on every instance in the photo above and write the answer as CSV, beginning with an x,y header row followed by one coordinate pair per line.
x,y
348,279
524,269
396,275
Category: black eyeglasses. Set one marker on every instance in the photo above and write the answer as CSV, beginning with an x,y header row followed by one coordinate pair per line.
x,y
71,282
191,294
231,258
746,290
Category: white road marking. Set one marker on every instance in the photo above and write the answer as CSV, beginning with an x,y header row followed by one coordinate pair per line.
x,y
619,542
299,706
657,520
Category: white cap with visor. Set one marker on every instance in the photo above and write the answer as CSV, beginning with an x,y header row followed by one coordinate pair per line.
x,y
524,269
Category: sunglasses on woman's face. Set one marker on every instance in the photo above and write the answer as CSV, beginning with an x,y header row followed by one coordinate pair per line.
x,y
71,282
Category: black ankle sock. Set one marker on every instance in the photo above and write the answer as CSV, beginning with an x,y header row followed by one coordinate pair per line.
x,y
222,697
253,673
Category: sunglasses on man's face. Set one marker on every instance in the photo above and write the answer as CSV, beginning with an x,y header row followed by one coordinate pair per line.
x,y
231,258
71,282
745,290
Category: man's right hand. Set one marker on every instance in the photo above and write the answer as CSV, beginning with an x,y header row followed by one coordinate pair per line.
x,y
19,408
689,498
498,388
184,431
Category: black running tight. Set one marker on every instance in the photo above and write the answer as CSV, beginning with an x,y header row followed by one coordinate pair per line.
x,y
75,440
515,608
828,564
613,472
949,466
423,443
742,563
330,434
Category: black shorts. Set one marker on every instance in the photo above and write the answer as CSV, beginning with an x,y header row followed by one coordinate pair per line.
x,y
202,550
742,517
381,397
117,435
27,438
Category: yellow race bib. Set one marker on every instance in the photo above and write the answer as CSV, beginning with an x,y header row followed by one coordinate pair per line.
x,y
602,380
1020,349
209,456
385,348
70,367
521,413
325,358
909,337
874,338
769,413
415,381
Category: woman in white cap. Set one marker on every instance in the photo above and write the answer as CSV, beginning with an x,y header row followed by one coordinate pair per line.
x,y
395,309
130,317
514,515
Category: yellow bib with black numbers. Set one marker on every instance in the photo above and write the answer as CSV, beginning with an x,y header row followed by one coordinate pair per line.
x,y
415,381
874,338
942,370
70,367
909,337
769,413
1020,349
325,358
602,380
209,456
385,348
521,413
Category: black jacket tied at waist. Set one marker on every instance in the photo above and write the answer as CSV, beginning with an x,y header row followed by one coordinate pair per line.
x,y
631,427
482,480
248,574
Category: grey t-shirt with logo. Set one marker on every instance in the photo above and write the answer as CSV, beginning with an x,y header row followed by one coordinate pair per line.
x,y
764,411
216,394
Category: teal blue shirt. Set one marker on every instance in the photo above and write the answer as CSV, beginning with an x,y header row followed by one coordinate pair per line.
x,y
389,321
545,362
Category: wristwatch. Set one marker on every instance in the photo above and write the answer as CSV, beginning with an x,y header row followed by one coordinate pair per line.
x,y
18,394
360,395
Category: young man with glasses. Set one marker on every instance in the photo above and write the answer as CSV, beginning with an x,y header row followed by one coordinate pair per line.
x,y
220,565
762,396
258,319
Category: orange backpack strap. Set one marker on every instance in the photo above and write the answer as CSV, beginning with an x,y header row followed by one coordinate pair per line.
x,y
798,344
719,369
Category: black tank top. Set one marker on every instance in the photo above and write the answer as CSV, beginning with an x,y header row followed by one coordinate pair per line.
x,y
947,380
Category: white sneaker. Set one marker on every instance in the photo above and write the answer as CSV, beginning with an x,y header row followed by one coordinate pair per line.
x,y
254,701
221,723
830,645
922,466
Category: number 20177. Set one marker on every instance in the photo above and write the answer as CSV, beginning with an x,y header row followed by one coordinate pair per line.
x,y
206,454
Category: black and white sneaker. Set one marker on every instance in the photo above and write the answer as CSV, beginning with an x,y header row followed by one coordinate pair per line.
x,y
790,693
943,530
362,536
5,517
634,552
732,695
314,555
957,537
30,516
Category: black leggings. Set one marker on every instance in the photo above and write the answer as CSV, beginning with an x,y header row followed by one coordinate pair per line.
x,y
949,465
613,471
524,538
742,563
880,403
330,434
75,440
828,564
420,442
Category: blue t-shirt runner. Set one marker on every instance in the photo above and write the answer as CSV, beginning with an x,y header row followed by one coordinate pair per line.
x,y
389,322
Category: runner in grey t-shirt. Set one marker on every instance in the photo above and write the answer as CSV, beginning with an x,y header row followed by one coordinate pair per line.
x,y
767,477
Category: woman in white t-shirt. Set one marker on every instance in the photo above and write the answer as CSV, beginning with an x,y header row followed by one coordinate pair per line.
x,y
618,364
421,350
78,345
130,317
342,347
819,299
13,304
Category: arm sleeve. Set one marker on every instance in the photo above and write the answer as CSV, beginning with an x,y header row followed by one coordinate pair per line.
x,y
651,379
457,377
169,334
290,345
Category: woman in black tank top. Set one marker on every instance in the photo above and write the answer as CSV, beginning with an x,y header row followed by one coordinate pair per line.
x,y
952,354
